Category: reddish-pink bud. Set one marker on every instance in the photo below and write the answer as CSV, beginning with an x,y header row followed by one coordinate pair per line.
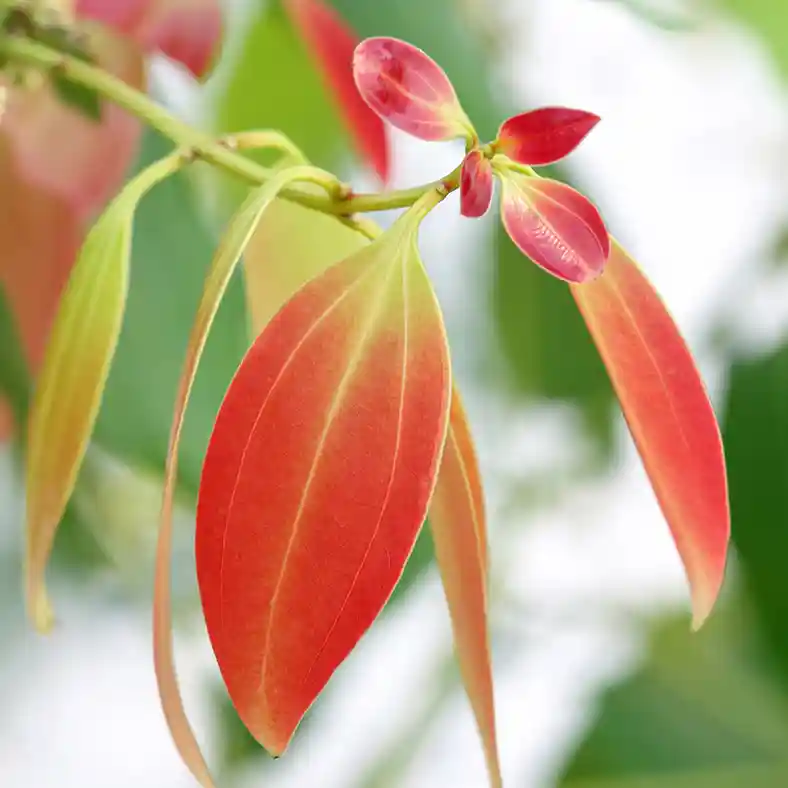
x,y
409,89
554,225
545,135
476,185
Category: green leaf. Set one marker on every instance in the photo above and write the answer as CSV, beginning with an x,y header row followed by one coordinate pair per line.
x,y
75,368
700,702
172,252
755,431
274,84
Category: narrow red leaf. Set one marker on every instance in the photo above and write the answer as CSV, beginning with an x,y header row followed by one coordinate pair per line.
x,y
669,415
331,43
409,89
457,522
476,185
554,225
317,479
545,135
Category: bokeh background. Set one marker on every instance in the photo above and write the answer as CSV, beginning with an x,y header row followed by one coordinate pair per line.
x,y
599,683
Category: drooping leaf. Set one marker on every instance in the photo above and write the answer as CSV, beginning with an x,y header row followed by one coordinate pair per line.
x,y
318,477
331,44
554,225
457,521
224,263
71,381
476,185
409,89
669,415
545,135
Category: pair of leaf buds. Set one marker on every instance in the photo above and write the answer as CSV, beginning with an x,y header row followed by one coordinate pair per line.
x,y
553,224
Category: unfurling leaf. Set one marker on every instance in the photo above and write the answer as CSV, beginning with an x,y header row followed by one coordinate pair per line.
x,y
409,89
554,225
544,136
318,476
68,391
224,263
669,414
476,185
458,527
331,43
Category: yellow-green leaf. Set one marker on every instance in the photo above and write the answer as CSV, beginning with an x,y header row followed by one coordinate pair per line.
x,y
225,261
68,392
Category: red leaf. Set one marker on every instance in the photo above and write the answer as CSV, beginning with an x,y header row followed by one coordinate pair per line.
x,y
476,185
409,89
317,479
669,415
545,135
458,528
332,43
554,225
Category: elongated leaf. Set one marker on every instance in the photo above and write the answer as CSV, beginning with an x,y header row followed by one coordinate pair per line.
x,y
458,529
331,43
224,263
669,414
68,393
318,477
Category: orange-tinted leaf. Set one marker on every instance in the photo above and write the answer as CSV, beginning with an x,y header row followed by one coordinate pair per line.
x,y
318,476
458,527
331,43
669,414
224,263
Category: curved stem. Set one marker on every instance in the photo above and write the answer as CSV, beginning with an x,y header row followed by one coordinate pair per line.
x,y
202,145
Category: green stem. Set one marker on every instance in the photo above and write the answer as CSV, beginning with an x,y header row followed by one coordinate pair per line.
x,y
35,55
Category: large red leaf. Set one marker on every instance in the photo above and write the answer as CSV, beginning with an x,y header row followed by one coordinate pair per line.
x,y
458,528
317,479
331,43
669,415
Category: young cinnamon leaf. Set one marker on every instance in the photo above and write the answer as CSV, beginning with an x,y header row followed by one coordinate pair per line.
x,y
457,521
318,476
68,392
669,415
